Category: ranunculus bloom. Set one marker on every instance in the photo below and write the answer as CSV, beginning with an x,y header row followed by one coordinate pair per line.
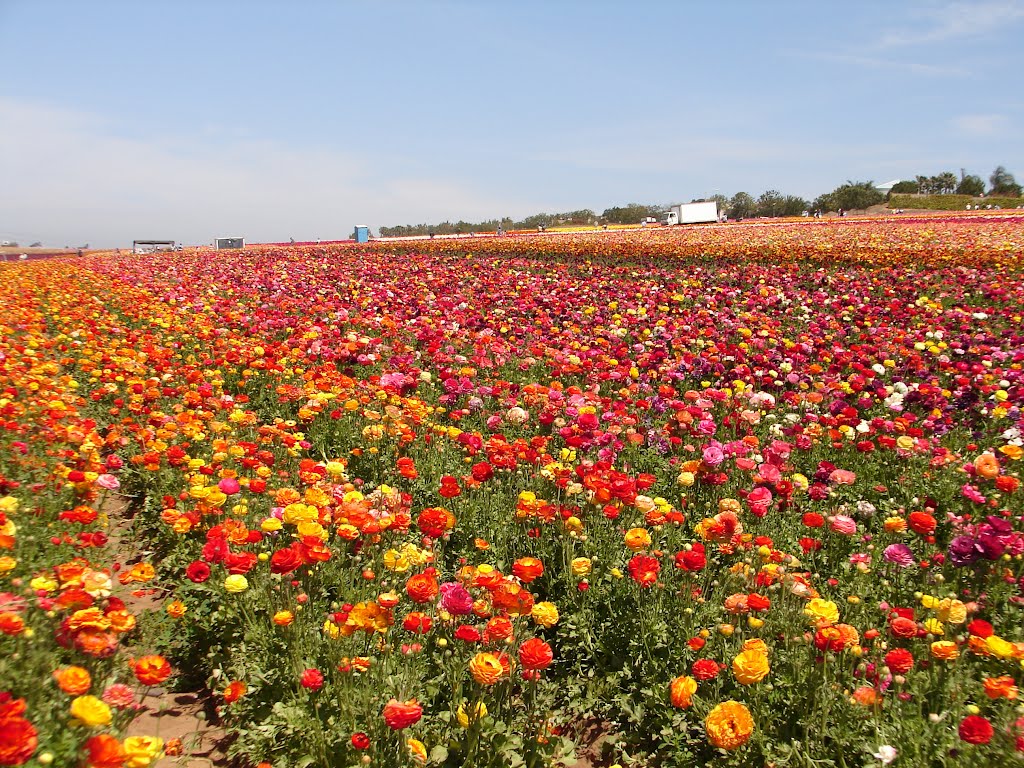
x,y
91,711
422,587
545,614
312,679
705,669
456,600
681,689
975,729
102,751
899,660
401,714
644,569
152,670
535,654
526,569
73,680
486,668
729,725
142,751
750,667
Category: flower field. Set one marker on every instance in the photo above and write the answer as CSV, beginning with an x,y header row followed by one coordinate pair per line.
x,y
741,495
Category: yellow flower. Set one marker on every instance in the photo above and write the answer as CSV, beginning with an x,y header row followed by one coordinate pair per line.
x,y
934,626
465,718
417,751
396,561
141,751
822,613
271,524
580,566
999,647
486,669
8,505
235,583
637,539
90,710
545,614
750,667
299,513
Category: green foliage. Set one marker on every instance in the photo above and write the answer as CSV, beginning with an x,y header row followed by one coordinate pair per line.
x,y
633,213
971,185
855,195
950,202
905,188
742,206
1003,183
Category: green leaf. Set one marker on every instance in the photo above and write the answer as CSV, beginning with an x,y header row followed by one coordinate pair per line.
x,y
438,754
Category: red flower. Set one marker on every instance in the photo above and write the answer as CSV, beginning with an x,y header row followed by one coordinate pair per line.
x,y
449,487
644,569
468,634
360,741
399,714
975,729
692,560
482,471
198,571
313,679
705,669
981,628
287,560
535,654
417,622
526,569
899,660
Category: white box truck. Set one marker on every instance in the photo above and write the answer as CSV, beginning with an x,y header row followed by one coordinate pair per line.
x,y
692,213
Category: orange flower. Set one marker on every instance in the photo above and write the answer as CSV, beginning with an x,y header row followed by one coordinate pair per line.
x,y
1001,687
152,670
236,689
486,668
729,725
104,751
399,714
987,466
74,681
681,690
535,654
866,696
422,587
527,569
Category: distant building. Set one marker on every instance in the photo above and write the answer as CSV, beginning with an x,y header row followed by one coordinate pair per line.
x,y
886,188
152,246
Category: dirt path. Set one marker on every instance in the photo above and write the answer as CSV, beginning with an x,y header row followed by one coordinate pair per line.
x,y
165,714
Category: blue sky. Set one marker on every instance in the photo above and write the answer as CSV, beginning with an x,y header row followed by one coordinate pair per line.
x,y
188,119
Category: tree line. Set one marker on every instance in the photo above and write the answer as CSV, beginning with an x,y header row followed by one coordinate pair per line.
x,y
850,196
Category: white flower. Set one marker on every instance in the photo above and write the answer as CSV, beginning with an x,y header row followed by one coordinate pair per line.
x,y
886,754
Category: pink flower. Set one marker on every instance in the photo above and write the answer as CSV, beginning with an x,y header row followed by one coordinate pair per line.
x,y
843,524
842,477
120,696
109,482
456,600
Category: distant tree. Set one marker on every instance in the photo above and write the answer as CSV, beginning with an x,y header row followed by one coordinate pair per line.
x,y
945,182
770,203
1003,183
971,185
825,202
633,213
925,185
857,195
741,206
905,188
794,206
721,201
36,244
